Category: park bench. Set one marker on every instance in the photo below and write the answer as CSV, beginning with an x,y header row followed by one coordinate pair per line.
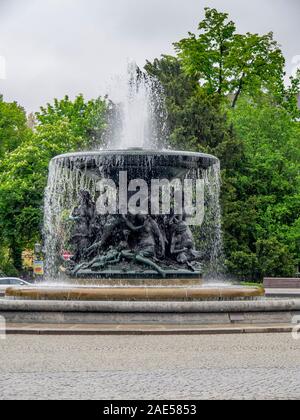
x,y
281,283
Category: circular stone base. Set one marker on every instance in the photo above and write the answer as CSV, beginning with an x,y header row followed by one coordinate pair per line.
x,y
135,293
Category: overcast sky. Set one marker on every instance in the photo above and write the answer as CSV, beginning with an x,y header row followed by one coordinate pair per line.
x,y
58,47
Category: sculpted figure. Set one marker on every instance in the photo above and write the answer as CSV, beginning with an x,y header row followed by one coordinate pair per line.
x,y
182,245
150,242
108,240
99,262
111,224
84,217
146,248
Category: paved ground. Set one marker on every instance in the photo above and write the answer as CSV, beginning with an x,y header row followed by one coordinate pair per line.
x,y
282,292
150,367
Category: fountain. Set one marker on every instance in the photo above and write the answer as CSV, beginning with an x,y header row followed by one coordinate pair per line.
x,y
133,224
124,243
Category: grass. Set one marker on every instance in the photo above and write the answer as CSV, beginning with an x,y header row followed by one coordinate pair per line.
x,y
251,284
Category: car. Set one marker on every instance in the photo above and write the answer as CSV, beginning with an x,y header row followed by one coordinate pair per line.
x,y
6,282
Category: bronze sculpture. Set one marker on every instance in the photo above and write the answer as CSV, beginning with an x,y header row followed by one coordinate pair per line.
x,y
138,239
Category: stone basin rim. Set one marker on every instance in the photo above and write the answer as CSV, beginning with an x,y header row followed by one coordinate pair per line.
x,y
138,152
131,293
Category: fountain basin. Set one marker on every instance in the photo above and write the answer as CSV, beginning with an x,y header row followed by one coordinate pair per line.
x,y
200,293
136,162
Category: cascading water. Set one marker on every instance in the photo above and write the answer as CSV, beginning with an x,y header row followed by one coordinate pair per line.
x,y
211,230
69,175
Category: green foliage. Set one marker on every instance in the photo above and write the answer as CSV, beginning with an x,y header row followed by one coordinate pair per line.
x,y
261,200
85,121
290,96
256,138
63,127
196,120
178,86
228,63
7,267
13,127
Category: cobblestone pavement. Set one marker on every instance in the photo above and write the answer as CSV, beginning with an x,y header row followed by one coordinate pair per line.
x,y
150,367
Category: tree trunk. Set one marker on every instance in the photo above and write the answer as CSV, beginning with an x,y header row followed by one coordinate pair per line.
x,y
16,255
239,91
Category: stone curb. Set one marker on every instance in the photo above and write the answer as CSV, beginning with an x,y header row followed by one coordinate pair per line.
x,y
272,329
261,305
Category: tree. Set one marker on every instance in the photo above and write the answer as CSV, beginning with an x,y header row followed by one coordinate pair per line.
x,y
177,84
63,127
13,126
196,119
86,120
257,139
261,198
228,63
290,96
